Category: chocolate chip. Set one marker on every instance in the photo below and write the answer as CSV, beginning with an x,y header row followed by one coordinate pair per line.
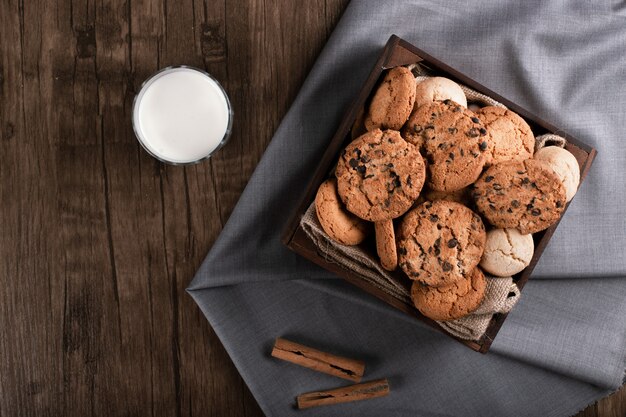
x,y
559,204
353,162
509,210
535,212
482,131
488,178
525,180
533,184
447,101
396,182
437,251
497,187
453,130
452,243
472,133
451,155
390,165
433,115
475,120
361,169
514,203
447,266
457,109
434,218
483,146
438,242
511,294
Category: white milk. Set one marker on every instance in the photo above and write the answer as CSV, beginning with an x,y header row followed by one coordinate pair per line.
x,y
181,115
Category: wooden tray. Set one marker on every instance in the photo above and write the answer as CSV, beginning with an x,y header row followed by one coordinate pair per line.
x,y
399,52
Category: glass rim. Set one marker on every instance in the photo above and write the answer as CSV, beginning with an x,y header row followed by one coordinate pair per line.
x,y
135,122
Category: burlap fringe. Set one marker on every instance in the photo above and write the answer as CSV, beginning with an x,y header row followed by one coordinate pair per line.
x,y
549,139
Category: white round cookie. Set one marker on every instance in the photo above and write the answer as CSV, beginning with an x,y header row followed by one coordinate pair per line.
x,y
438,89
564,164
507,252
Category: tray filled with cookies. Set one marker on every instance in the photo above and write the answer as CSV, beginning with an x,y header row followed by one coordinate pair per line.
x,y
437,195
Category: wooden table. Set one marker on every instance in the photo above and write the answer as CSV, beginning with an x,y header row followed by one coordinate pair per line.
x,y
99,240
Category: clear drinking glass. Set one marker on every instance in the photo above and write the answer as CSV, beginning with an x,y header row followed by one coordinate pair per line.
x,y
182,115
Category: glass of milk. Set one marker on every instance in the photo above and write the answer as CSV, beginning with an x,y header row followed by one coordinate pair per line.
x,y
182,115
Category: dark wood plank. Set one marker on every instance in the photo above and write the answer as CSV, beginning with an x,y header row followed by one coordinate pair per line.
x,y
97,239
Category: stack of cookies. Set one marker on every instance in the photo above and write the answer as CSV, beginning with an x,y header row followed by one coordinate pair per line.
x,y
465,189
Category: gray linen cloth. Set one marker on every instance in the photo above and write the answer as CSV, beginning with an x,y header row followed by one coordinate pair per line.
x,y
563,345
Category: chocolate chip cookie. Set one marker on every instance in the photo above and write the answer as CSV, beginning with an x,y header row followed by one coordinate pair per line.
x,y
379,175
510,138
452,301
393,101
526,195
454,140
440,242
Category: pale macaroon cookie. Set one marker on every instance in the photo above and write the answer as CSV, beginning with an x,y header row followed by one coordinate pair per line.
x,y
338,223
507,252
438,89
564,165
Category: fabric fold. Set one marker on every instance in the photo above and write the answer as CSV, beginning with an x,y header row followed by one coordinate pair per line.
x,y
430,374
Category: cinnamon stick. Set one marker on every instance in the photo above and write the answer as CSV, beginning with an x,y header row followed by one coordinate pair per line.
x,y
327,363
357,392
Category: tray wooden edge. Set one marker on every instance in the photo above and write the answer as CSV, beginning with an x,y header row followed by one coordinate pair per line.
x,y
390,58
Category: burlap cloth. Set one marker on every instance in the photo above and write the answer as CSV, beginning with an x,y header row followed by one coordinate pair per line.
x,y
501,294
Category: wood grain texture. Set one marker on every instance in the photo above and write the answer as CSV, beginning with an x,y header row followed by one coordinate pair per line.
x,y
98,240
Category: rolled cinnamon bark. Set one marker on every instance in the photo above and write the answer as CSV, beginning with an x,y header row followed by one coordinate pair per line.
x,y
357,392
327,363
